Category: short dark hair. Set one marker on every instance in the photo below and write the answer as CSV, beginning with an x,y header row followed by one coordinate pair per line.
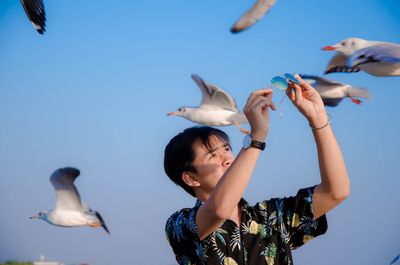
x,y
179,154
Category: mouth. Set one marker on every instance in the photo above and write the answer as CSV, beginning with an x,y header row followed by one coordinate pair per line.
x,y
171,113
34,217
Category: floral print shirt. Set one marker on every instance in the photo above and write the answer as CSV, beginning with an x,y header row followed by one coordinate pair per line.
x,y
268,232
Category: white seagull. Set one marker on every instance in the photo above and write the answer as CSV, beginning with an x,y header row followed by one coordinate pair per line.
x,y
333,92
217,107
259,9
69,210
382,57
34,9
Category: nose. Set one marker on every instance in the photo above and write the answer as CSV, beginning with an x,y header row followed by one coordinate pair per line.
x,y
227,159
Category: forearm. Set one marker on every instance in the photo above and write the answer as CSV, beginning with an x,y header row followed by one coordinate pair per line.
x,y
335,184
334,177
232,185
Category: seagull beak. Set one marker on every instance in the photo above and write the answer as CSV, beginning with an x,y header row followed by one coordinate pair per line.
x,y
328,48
172,113
34,217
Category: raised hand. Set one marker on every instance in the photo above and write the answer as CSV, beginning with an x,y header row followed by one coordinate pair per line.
x,y
308,101
256,111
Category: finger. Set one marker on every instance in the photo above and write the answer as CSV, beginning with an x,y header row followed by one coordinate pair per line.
x,y
306,86
261,92
297,96
290,93
266,103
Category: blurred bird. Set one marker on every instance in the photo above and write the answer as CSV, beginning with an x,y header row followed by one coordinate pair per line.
x,y
69,211
395,259
217,108
333,92
34,9
260,8
381,57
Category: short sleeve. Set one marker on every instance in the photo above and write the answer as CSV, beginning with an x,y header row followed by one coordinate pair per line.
x,y
298,218
182,235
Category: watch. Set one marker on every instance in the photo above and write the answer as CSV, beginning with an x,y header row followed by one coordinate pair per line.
x,y
249,142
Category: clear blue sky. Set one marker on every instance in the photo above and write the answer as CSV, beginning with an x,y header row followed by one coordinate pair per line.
x,y
93,93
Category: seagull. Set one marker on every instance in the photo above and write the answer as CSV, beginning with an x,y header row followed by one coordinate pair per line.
x,y
333,92
260,8
217,108
382,61
69,210
34,9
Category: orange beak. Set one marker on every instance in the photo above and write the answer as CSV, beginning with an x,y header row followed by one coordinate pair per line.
x,y
171,113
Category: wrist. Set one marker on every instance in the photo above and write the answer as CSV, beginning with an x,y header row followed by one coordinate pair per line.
x,y
319,121
258,136
320,124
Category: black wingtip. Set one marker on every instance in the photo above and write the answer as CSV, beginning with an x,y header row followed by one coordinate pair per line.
x,y
103,224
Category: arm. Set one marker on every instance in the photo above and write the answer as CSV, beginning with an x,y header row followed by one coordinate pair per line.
x,y
335,183
224,198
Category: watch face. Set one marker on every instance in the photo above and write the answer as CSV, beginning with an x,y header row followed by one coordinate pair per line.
x,y
246,141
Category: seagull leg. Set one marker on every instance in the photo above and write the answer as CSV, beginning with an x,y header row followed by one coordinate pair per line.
x,y
357,101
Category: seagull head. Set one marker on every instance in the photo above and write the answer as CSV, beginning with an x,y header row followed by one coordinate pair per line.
x,y
182,111
348,46
41,215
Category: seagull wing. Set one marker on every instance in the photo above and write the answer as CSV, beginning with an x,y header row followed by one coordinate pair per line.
x,y
103,224
67,195
384,53
319,80
34,9
260,8
319,83
338,63
324,86
214,97
395,259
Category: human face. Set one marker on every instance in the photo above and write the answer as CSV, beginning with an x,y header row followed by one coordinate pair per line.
x,y
211,163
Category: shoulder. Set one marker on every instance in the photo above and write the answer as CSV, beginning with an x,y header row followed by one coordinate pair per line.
x,y
304,195
181,220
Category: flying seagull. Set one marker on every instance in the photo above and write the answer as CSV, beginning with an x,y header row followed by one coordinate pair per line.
x,y
217,108
377,58
259,9
69,210
333,92
34,9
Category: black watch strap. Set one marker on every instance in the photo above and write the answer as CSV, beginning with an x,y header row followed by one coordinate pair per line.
x,y
257,144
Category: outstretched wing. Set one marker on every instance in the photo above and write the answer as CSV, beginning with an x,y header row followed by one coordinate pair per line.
x,y
34,9
338,63
214,97
395,259
319,80
383,53
260,8
67,195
